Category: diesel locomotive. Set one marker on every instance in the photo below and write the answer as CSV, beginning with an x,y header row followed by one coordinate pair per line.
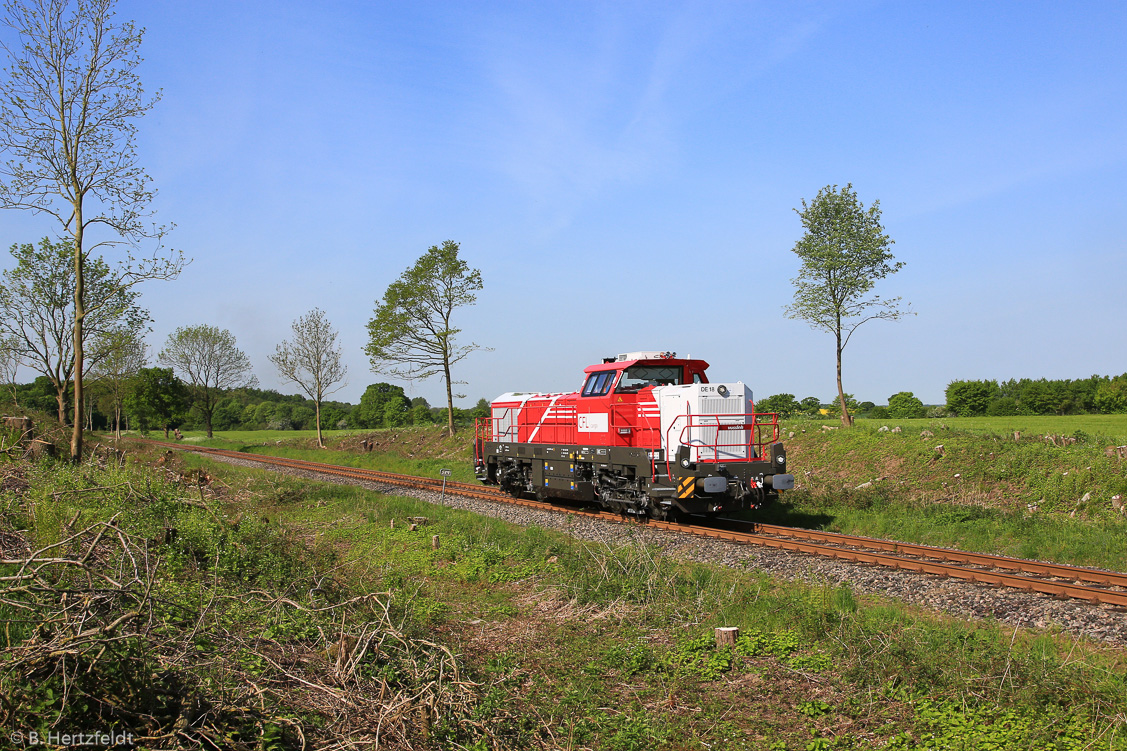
x,y
647,435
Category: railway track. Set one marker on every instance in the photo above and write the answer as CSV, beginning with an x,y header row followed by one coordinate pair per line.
x,y
1057,580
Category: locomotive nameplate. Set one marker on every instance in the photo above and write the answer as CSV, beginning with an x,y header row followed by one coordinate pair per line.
x,y
594,422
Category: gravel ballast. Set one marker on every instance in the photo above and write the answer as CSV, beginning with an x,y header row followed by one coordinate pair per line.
x,y
1013,607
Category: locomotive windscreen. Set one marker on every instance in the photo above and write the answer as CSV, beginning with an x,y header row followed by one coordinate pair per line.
x,y
640,376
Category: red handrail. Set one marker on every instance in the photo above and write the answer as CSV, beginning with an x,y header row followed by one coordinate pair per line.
x,y
752,423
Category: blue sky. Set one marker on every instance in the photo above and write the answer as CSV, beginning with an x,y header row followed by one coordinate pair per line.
x,y
625,174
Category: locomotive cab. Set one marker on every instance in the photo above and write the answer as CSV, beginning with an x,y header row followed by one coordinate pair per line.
x,y
646,434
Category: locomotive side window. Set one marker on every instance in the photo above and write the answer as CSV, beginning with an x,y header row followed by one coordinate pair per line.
x,y
641,376
598,384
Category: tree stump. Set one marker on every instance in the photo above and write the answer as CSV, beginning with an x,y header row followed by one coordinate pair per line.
x,y
434,542
726,636
22,424
38,449
392,524
413,527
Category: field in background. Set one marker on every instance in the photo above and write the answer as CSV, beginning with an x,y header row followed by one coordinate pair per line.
x,y
1107,426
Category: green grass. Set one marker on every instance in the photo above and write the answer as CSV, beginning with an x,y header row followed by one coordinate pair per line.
x,y
461,469
259,437
1111,427
983,492
568,644
883,671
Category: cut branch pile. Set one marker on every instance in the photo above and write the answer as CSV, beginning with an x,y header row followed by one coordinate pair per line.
x,y
96,636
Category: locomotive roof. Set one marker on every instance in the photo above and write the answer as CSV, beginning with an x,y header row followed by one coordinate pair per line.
x,y
648,358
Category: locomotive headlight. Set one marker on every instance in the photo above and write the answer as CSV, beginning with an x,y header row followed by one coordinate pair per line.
x,y
780,460
722,390
685,462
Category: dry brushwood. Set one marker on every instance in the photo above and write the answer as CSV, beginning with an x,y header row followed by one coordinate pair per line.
x,y
97,600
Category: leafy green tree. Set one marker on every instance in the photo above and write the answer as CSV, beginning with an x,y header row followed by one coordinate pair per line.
x,y
1003,406
331,416
844,252
373,402
283,417
68,104
905,405
971,398
481,410
211,363
37,312
158,399
1111,397
784,404
421,415
228,414
412,335
247,419
810,405
264,413
312,360
303,418
396,412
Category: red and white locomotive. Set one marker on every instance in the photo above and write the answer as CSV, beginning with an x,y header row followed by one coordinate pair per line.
x,y
646,435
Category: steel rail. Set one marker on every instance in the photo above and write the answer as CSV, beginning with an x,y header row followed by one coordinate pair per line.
x,y
898,555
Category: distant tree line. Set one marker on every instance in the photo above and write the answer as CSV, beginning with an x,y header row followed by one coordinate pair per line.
x,y
1094,395
904,404
154,399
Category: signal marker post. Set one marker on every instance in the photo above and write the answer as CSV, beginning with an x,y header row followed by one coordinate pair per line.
x,y
445,473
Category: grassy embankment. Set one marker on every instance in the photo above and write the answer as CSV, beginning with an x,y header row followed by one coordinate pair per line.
x,y
242,625
984,491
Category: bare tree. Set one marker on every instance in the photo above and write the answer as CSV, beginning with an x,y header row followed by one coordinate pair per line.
x,y
412,335
312,360
68,104
113,375
37,315
211,362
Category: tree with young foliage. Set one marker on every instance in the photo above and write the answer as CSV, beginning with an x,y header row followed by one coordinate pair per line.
x,y
68,106
412,335
844,252
211,364
157,398
37,313
311,359
113,375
